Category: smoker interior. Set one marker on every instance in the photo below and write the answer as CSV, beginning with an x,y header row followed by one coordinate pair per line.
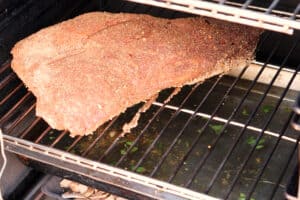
x,y
227,137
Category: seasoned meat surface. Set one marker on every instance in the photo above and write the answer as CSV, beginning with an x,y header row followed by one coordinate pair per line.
x,y
86,70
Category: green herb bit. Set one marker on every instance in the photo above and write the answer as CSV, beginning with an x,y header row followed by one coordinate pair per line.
x,y
128,143
251,141
51,138
123,152
267,108
134,149
259,147
245,112
187,144
260,144
140,170
242,196
126,147
216,128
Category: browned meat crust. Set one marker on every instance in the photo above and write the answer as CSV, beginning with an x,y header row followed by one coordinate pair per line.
x,y
86,70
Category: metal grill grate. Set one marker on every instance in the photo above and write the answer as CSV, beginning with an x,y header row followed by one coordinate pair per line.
x,y
275,15
226,137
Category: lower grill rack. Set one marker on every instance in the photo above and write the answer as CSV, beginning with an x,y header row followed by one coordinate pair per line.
x,y
228,137
122,181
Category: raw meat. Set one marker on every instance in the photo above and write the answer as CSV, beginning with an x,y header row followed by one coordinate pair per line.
x,y
86,70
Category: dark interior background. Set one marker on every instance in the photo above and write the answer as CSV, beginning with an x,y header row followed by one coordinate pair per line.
x,y
284,5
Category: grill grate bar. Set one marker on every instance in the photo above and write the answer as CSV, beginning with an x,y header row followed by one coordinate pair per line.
x,y
113,144
144,130
6,80
175,140
17,121
229,153
231,122
261,9
272,6
165,126
222,2
78,138
265,17
5,66
36,8
41,136
267,122
284,128
102,173
193,145
16,12
14,108
296,11
99,137
205,157
61,135
28,129
11,93
285,167
246,4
